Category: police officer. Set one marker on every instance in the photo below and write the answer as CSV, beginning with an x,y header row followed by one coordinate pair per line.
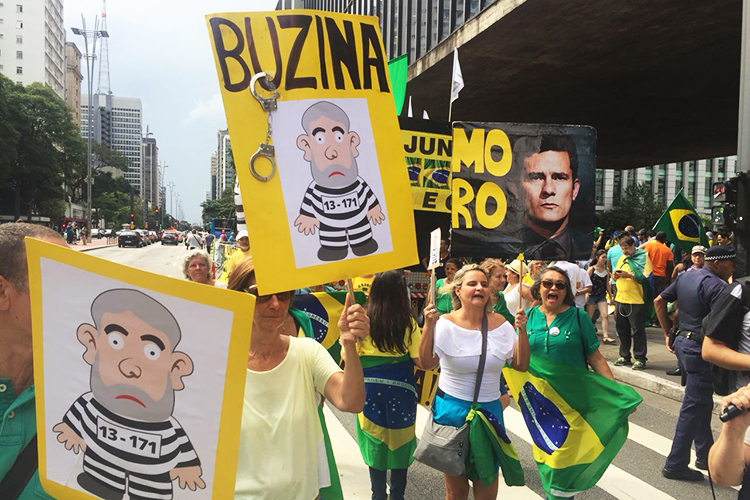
x,y
695,292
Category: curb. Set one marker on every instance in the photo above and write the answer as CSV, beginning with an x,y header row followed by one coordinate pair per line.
x,y
655,384
97,247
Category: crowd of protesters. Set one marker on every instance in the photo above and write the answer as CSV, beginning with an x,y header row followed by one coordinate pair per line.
x,y
545,309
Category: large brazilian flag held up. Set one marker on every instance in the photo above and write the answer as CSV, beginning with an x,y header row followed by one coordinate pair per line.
x,y
577,419
682,224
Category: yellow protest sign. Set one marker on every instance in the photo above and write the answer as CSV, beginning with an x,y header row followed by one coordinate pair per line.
x,y
428,159
136,374
327,195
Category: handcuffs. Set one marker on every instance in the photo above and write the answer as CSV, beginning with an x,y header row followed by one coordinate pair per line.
x,y
269,104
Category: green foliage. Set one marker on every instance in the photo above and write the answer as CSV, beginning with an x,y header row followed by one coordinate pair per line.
x,y
639,207
223,208
40,148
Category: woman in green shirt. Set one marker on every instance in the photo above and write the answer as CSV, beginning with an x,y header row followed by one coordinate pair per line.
x,y
560,331
495,269
444,303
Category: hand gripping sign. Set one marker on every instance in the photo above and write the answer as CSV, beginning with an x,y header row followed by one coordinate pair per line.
x,y
138,379
523,188
316,144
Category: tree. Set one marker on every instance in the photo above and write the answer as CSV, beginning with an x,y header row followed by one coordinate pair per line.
x,y
223,208
39,145
639,207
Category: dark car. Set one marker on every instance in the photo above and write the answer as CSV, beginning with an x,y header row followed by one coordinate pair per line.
x,y
129,239
170,239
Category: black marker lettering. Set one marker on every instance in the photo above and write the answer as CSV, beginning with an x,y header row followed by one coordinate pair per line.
x,y
293,82
370,40
223,54
343,52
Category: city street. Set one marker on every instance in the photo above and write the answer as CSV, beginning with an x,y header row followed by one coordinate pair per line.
x,y
635,473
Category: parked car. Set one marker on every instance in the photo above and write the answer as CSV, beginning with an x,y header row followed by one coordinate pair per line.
x,y
170,239
129,239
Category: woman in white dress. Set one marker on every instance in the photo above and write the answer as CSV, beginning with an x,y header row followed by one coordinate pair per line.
x,y
517,293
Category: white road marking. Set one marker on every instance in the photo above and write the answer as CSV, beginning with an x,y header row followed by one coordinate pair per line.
x,y
352,469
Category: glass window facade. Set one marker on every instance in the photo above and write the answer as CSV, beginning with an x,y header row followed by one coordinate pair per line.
x,y
617,188
662,184
678,178
599,189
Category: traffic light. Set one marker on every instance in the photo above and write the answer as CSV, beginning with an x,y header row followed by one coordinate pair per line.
x,y
735,195
156,210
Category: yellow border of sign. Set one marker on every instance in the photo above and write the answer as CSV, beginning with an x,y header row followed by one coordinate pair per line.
x,y
265,209
243,306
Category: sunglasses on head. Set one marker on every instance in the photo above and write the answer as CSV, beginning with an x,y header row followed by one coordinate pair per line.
x,y
560,285
280,296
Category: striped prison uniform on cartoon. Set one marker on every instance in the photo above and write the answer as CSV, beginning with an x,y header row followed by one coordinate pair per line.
x,y
118,448
241,224
342,212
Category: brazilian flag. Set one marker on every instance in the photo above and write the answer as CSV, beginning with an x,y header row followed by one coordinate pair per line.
x,y
682,224
577,419
324,310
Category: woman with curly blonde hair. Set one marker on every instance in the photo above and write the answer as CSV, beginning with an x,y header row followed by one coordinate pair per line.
x,y
455,341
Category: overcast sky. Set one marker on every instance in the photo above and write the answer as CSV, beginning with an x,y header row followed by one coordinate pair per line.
x,y
160,52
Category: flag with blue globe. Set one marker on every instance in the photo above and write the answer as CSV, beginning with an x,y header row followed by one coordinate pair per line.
x,y
682,224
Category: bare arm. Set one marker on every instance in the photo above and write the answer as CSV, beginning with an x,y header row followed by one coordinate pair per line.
x,y
521,352
729,454
525,292
666,324
427,344
599,364
719,354
346,391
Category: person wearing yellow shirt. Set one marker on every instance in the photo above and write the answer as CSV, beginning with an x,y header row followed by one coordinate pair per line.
x,y
241,254
363,283
633,301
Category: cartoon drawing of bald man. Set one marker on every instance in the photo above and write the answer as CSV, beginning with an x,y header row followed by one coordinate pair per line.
x,y
131,443
338,201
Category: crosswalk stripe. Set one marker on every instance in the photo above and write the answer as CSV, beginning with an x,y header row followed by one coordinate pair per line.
x,y
615,481
659,444
352,468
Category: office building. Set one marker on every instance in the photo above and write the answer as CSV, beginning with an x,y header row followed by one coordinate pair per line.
x,y
213,176
32,43
117,125
695,178
73,79
225,173
151,176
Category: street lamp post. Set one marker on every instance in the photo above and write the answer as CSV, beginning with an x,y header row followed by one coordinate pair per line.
x,y
90,56
164,168
171,199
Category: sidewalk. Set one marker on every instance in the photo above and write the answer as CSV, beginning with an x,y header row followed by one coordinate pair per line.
x,y
95,243
653,378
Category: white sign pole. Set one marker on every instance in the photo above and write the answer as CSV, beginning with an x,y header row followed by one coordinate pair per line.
x,y
434,262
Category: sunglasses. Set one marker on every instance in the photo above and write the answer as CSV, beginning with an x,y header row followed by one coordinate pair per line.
x,y
560,285
280,296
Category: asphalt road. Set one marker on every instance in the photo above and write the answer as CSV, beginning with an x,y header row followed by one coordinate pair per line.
x,y
635,473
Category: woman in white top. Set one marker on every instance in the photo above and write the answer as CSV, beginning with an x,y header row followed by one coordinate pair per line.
x,y
517,293
196,266
455,341
281,447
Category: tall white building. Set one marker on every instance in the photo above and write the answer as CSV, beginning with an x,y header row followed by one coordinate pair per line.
x,y
695,178
32,42
225,173
118,125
